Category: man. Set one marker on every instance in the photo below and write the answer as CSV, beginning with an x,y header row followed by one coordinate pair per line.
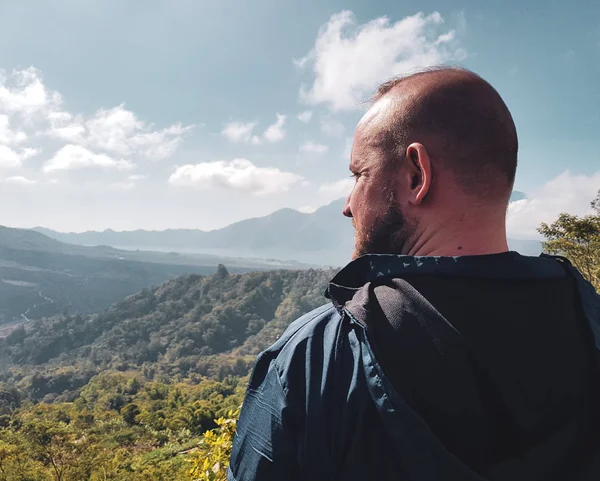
x,y
442,355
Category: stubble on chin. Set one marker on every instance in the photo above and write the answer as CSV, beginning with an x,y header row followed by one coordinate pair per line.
x,y
360,242
388,235
356,251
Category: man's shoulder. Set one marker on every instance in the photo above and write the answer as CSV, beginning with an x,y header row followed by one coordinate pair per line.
x,y
305,349
314,326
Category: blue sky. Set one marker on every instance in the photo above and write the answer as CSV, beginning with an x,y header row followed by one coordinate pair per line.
x,y
163,114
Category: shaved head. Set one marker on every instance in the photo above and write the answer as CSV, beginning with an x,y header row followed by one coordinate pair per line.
x,y
434,160
461,120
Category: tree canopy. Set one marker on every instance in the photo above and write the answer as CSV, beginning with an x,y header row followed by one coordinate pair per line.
x,y
578,239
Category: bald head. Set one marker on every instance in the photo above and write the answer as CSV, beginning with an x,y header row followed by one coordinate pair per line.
x,y
460,119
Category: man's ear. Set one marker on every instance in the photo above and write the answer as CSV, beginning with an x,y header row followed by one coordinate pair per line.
x,y
418,166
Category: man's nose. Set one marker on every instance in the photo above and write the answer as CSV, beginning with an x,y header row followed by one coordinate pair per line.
x,y
347,211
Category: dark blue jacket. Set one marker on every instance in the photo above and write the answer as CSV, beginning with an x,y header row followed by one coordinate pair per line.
x,y
318,405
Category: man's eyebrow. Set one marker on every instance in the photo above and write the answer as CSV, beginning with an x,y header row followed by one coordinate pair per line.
x,y
357,163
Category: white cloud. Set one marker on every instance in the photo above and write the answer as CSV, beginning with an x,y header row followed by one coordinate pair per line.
x,y
22,92
311,147
9,159
28,109
111,129
336,190
238,131
117,131
20,180
305,116
29,152
237,174
59,116
65,127
8,136
566,193
71,157
128,184
69,133
348,61
159,145
275,132
332,127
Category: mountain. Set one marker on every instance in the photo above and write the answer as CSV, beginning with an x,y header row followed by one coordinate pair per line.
x,y
40,276
324,237
175,329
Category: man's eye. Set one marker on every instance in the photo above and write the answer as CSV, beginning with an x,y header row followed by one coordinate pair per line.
x,y
356,175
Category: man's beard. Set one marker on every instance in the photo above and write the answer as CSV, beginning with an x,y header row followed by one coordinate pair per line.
x,y
389,234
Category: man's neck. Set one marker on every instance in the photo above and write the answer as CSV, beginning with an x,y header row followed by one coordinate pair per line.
x,y
452,239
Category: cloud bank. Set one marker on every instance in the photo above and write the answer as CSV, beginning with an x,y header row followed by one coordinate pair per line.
x,y
349,60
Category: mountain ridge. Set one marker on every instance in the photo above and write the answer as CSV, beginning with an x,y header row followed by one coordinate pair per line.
x,y
324,237
41,276
178,326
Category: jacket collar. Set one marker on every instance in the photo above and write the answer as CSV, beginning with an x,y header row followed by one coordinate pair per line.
x,y
372,267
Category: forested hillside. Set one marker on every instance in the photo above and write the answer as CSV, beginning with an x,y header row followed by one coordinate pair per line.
x,y
126,394
192,325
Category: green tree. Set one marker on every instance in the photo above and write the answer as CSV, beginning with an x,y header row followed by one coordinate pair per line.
x,y
16,462
578,239
54,445
129,412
